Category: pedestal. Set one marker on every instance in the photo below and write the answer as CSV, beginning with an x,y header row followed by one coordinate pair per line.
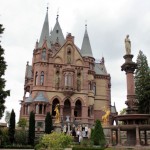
x,y
57,127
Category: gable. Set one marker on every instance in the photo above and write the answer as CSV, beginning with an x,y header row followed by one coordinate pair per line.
x,y
69,54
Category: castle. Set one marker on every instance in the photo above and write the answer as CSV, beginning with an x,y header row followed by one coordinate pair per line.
x,y
64,74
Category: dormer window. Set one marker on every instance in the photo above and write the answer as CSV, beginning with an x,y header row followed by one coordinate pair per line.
x,y
44,54
57,31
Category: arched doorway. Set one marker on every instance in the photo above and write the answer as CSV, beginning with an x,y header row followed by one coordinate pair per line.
x,y
78,109
67,108
55,102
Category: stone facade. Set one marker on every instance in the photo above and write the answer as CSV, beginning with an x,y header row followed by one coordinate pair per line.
x,y
63,74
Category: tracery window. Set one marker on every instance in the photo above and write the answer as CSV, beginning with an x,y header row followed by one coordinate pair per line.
x,y
42,78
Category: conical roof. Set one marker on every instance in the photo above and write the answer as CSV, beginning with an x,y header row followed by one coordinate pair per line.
x,y
29,99
45,32
56,34
86,46
40,98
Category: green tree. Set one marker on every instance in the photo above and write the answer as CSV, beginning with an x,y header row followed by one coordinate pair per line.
x,y
48,123
7,117
98,136
11,130
22,123
3,93
142,83
31,135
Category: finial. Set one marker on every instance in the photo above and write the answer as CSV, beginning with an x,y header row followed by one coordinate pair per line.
x,y
47,6
57,14
85,24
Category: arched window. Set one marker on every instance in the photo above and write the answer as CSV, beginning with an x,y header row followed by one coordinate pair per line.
x,y
36,78
68,80
44,54
42,78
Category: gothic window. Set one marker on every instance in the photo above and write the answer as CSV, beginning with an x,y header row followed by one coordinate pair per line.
x,y
68,80
78,81
42,78
36,78
44,54
57,80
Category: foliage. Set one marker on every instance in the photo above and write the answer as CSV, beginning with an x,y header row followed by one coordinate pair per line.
x,y
7,117
87,148
98,136
21,137
11,130
22,123
48,123
54,140
4,136
123,111
142,83
31,135
3,93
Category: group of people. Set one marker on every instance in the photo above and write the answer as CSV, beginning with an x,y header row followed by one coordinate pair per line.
x,y
80,131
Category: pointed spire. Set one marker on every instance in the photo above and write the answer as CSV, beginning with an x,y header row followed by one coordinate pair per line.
x,y
56,34
86,46
45,32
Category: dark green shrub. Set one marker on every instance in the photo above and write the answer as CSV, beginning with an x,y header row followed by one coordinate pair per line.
x,y
48,123
11,131
21,137
31,135
98,136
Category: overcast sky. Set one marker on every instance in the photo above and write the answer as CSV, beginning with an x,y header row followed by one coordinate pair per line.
x,y
108,22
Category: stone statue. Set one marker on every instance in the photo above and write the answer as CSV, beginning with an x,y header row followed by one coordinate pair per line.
x,y
128,45
57,116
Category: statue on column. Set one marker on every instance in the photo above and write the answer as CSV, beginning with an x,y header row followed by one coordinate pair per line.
x,y
128,45
57,116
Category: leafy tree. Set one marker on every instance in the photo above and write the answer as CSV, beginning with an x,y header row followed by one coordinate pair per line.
x,y
11,130
7,117
98,136
3,93
123,111
22,123
48,123
31,135
142,83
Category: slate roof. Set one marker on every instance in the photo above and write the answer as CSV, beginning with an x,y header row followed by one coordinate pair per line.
x,y
86,46
28,71
40,98
100,69
45,33
56,34
29,99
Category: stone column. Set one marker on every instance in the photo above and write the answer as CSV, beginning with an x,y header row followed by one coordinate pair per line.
x,y
61,112
137,136
84,114
145,135
72,113
119,138
42,108
111,137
